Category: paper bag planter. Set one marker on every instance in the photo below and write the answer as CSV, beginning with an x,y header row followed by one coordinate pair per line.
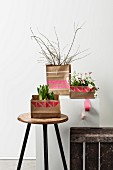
x,y
45,108
58,77
82,92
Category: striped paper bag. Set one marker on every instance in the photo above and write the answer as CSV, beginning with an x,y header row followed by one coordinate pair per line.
x,y
81,92
58,77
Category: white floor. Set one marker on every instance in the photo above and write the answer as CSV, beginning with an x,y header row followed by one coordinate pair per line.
x,y
12,164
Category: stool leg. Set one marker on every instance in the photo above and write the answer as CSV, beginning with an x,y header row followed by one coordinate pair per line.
x,y
45,146
60,146
23,146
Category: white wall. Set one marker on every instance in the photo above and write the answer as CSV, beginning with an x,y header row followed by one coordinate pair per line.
x,y
21,74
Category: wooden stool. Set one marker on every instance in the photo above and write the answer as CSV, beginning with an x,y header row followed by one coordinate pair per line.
x,y
26,118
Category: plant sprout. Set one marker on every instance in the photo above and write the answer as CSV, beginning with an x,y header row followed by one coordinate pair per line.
x,y
44,94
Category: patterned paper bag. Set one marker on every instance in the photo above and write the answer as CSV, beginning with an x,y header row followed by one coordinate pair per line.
x,y
58,78
45,108
81,92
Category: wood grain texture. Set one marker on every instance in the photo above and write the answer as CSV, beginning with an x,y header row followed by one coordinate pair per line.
x,y
45,115
103,134
92,137
106,156
76,156
91,156
26,118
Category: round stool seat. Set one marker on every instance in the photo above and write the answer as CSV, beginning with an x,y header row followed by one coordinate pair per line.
x,y
26,118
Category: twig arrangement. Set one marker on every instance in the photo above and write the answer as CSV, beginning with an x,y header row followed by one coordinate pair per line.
x,y
52,51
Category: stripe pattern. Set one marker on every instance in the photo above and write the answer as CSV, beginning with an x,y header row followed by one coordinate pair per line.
x,y
58,78
81,89
58,84
44,104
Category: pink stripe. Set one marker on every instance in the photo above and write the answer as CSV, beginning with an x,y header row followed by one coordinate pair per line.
x,y
45,104
57,82
59,86
80,89
87,105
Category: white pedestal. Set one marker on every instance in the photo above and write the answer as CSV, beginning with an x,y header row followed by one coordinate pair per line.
x,y
73,108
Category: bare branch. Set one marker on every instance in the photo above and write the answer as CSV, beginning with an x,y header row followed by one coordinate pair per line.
x,y
77,53
58,46
52,52
43,43
77,29
78,58
49,43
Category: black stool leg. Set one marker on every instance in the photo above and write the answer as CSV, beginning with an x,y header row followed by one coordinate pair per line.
x,y
23,146
60,146
45,146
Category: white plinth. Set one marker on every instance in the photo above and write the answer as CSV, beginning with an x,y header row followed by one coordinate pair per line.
x,y
73,108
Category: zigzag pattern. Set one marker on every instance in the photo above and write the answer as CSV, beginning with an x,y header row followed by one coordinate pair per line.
x,y
81,89
45,104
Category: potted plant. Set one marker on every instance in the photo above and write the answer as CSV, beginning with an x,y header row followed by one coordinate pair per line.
x,y
82,86
45,104
58,65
